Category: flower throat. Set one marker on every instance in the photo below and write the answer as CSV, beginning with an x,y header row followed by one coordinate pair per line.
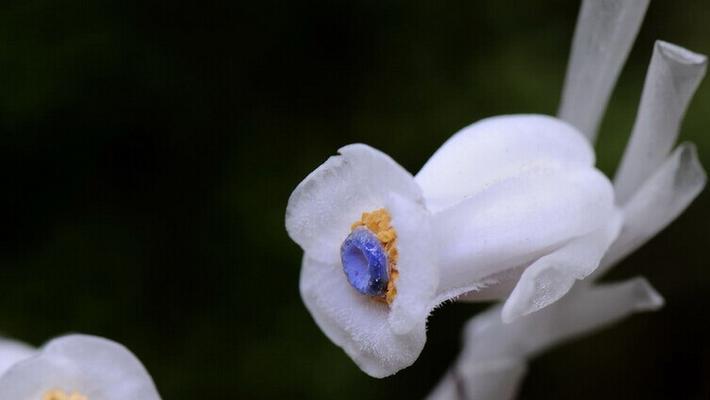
x,y
369,256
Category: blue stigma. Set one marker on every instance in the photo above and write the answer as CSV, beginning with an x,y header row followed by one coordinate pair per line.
x,y
365,262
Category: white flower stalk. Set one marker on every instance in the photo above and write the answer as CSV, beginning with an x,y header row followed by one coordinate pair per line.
x,y
74,367
673,76
605,31
494,358
383,248
653,186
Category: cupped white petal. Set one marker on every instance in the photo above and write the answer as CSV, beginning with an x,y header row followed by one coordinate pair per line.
x,y
381,339
324,205
496,148
12,351
495,354
660,200
605,31
516,221
358,324
98,368
552,276
673,76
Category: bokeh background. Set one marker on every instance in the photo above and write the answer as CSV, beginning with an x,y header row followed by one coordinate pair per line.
x,y
148,148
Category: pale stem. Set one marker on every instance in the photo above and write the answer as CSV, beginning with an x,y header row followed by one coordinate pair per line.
x,y
673,76
605,31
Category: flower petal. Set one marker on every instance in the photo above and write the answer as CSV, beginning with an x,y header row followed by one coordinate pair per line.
x,y
98,368
661,199
605,31
12,351
417,264
323,206
517,221
496,148
379,338
671,81
357,323
495,287
495,353
552,276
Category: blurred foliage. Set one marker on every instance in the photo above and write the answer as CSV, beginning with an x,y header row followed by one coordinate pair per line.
x,y
148,150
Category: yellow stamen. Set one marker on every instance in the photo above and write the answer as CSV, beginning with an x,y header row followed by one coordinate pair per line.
x,y
58,394
379,223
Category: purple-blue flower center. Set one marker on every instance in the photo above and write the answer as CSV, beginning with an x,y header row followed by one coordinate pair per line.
x,y
365,262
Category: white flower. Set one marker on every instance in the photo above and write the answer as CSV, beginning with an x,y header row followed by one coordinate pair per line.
x,y
652,187
381,338
497,196
73,367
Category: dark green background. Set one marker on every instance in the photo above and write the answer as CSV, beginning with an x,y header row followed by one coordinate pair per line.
x,y
148,149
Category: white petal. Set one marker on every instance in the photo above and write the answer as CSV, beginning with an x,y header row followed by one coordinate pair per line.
x,y
381,340
417,264
357,324
322,208
671,81
495,287
501,349
496,148
12,351
98,368
605,31
517,221
664,196
552,276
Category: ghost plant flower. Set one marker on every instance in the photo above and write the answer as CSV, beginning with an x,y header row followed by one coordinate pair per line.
x,y
383,248
369,268
73,367
652,187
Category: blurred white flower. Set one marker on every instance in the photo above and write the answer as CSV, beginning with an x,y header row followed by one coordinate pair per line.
x,y
12,351
383,248
652,187
73,367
